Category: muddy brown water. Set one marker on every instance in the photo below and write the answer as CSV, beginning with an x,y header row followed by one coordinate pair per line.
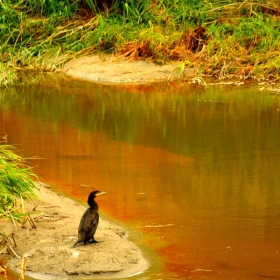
x,y
192,173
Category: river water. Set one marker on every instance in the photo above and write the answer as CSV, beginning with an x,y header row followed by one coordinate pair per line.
x,y
192,173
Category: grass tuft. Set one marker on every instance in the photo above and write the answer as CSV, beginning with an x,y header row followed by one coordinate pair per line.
x,y
16,180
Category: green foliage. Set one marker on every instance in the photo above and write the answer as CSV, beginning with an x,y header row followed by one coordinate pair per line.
x,y
42,35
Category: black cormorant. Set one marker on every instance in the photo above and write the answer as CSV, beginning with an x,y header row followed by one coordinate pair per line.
x,y
89,220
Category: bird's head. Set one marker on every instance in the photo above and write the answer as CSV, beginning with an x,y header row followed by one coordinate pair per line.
x,y
93,195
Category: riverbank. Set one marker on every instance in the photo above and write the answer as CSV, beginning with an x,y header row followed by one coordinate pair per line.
x,y
221,40
49,251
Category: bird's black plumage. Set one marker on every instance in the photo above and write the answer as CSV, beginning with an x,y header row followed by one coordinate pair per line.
x,y
89,221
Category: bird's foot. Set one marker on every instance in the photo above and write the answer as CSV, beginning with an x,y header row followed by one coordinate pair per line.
x,y
93,241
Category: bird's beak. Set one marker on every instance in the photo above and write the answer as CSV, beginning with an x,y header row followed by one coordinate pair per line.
x,y
100,193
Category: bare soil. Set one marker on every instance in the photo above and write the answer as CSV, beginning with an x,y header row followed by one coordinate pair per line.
x,y
112,70
48,247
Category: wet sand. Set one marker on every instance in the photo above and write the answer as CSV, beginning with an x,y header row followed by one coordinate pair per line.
x,y
49,251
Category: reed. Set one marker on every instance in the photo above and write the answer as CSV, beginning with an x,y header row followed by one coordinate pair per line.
x,y
219,38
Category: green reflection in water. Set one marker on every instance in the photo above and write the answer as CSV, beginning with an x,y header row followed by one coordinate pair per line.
x,y
180,122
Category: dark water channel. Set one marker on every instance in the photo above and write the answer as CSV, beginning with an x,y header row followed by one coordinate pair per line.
x,y
193,174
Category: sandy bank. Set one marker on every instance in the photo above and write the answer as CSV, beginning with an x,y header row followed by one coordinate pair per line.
x,y
49,251
111,70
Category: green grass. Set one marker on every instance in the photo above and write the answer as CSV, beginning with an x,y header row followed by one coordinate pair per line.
x,y
16,181
219,38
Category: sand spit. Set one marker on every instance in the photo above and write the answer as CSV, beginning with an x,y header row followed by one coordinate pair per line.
x,y
49,251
